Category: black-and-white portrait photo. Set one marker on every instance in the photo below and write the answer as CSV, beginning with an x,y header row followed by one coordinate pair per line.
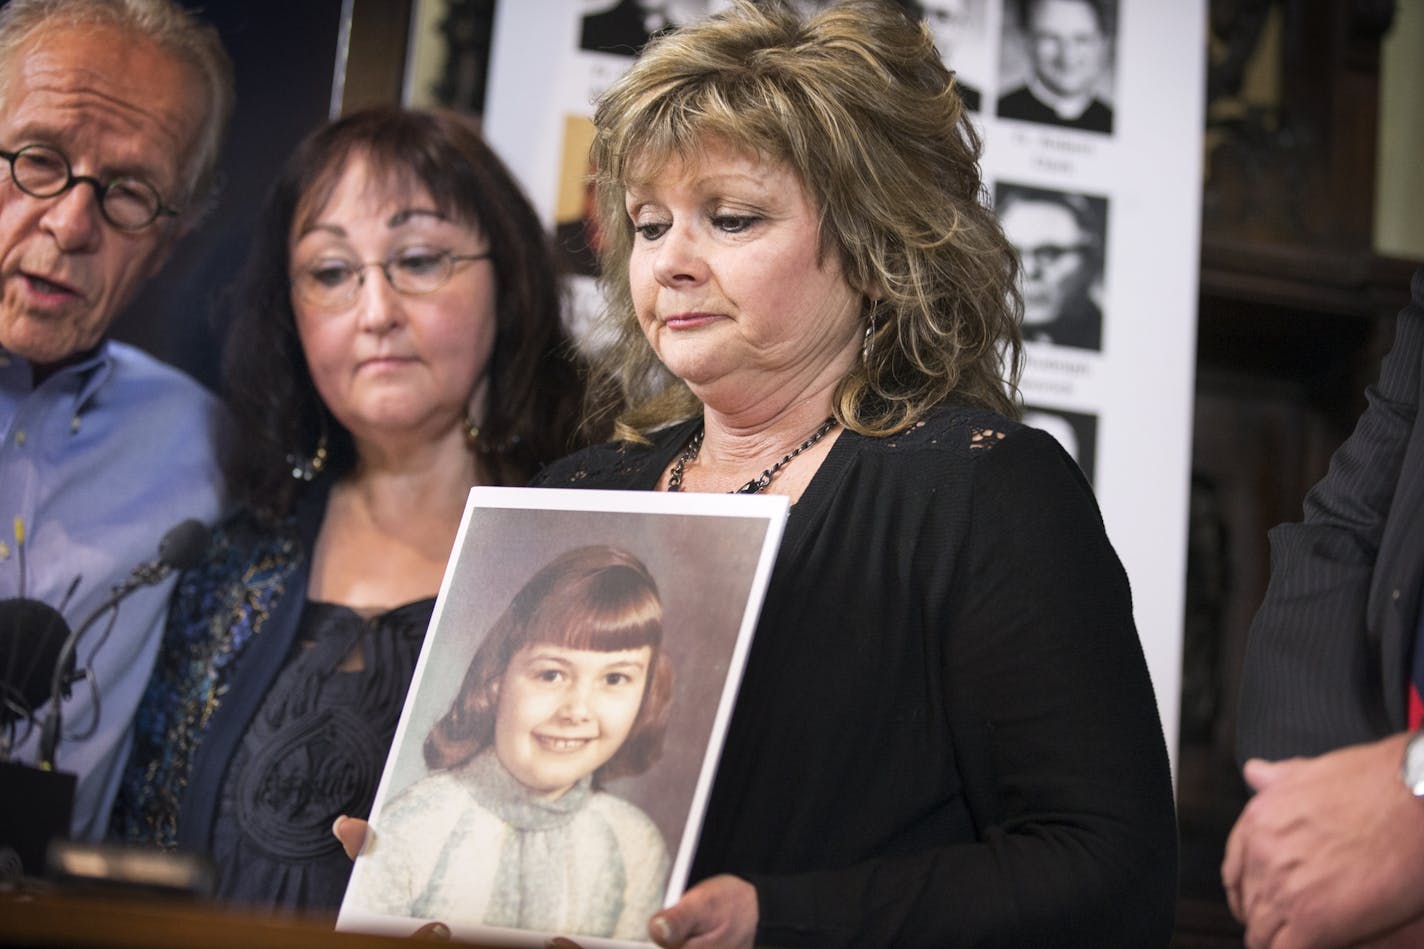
x,y
1077,432
623,26
1058,63
1060,237
958,28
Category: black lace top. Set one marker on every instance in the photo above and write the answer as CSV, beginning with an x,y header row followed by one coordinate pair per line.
x,y
314,750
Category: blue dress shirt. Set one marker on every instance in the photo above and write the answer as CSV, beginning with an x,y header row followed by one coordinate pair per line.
x,y
97,463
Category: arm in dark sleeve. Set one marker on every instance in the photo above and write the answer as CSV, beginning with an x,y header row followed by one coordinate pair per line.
x,y
1311,676
1056,736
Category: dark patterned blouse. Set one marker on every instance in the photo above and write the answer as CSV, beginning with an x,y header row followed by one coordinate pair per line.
x,y
266,716
313,751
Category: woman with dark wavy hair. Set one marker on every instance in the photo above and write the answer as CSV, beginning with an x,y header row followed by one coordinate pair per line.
x,y
397,340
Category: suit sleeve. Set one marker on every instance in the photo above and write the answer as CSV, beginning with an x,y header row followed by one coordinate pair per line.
x,y
1311,681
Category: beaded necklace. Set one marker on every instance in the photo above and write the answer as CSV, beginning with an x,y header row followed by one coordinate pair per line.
x,y
756,485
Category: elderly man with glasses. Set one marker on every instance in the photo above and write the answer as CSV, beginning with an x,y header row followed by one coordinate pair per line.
x,y
1059,237
111,115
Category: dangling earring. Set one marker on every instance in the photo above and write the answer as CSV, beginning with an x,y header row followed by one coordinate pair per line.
x,y
869,333
472,432
305,469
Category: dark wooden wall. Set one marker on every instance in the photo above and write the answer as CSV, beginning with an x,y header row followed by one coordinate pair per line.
x,y
284,56
1296,310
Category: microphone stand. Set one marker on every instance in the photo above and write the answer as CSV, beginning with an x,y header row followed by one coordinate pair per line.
x,y
180,548
145,574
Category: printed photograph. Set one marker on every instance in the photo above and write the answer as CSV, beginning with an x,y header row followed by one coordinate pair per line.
x,y
622,27
958,29
1059,63
1060,237
565,715
1077,432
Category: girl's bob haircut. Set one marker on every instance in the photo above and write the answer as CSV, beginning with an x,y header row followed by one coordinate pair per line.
x,y
594,598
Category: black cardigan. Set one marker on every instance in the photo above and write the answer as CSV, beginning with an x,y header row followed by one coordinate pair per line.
x,y
945,734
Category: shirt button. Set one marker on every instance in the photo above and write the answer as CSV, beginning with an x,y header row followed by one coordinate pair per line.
x,y
4,550
20,437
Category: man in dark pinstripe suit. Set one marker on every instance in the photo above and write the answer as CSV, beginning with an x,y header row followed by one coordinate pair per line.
x,y
1330,851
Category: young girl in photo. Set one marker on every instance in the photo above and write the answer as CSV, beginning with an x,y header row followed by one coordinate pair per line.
x,y
512,828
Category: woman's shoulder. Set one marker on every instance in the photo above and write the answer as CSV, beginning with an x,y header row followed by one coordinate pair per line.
x,y
243,545
246,566
974,447
955,429
616,464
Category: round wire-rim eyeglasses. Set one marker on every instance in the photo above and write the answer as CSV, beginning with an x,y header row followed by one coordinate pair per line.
x,y
129,204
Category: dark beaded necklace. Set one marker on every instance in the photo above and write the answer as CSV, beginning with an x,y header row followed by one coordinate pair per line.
x,y
756,485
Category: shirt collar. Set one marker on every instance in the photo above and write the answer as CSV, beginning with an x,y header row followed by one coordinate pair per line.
x,y
1065,107
82,377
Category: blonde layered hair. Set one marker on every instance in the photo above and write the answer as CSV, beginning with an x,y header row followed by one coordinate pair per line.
x,y
856,102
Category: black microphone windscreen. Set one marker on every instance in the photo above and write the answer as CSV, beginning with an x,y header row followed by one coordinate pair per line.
x,y
32,633
184,545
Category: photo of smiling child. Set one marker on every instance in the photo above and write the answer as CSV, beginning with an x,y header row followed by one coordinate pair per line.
x,y
512,826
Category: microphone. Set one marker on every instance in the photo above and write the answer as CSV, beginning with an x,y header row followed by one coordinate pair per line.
x,y
36,804
182,547
32,635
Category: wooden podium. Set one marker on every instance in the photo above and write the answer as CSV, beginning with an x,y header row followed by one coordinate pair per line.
x,y
52,919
